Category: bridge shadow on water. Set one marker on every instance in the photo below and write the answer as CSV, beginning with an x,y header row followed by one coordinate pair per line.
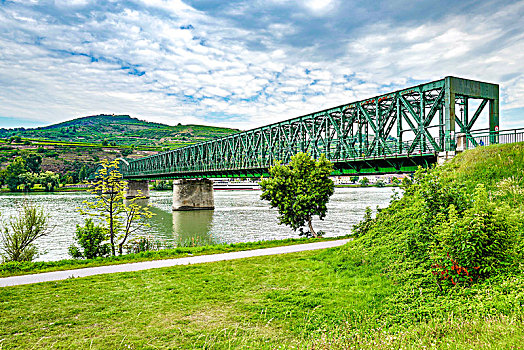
x,y
182,228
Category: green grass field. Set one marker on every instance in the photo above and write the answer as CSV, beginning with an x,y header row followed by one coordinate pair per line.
x,y
291,301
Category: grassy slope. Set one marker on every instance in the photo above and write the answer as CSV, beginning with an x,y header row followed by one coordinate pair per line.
x,y
349,297
123,130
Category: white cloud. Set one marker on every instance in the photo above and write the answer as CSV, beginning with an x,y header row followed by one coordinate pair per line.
x,y
146,61
320,7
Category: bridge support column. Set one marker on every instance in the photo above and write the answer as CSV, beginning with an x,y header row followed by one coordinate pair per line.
x,y
445,156
137,188
462,145
193,194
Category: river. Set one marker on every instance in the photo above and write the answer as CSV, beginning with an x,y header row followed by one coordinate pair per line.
x,y
240,216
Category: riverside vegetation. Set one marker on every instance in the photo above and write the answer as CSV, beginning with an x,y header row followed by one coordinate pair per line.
x,y
441,267
299,191
67,152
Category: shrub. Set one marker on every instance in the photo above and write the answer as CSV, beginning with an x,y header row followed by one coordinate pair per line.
x,y
364,182
91,240
144,244
22,231
441,228
364,225
475,244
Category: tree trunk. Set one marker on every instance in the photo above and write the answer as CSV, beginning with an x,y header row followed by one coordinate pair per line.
x,y
111,232
313,233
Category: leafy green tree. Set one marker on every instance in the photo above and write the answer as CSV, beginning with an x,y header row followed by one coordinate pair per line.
x,y
299,191
12,173
91,239
126,151
49,180
28,179
161,185
82,174
364,182
15,139
20,233
122,218
33,162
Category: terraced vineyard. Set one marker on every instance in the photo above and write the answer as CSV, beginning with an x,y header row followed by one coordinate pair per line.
x,y
120,130
67,147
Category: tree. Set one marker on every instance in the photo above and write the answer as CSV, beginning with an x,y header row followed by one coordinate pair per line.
x,y
49,180
21,231
82,174
12,173
33,162
28,179
90,238
364,182
126,151
122,218
299,191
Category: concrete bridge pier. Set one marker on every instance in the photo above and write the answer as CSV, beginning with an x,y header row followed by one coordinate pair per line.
x,y
193,194
137,188
461,146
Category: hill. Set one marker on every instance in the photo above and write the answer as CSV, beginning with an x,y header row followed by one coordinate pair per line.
x,y
65,148
120,130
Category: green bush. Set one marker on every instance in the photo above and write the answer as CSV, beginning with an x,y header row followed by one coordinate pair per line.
x,y
365,224
91,240
445,227
21,231
475,244
144,244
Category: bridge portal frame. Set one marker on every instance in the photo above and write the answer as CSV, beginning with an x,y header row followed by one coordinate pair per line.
x,y
387,133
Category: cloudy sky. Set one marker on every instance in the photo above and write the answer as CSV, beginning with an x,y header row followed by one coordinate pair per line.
x,y
245,63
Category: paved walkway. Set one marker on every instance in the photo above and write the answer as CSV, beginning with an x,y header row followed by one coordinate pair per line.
x,y
199,259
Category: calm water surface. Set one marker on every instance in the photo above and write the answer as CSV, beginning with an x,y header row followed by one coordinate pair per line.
x,y
240,216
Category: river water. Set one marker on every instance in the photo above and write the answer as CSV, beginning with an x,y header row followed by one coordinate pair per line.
x,y
240,216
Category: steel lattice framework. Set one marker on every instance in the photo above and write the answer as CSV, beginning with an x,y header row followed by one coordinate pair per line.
x,y
394,132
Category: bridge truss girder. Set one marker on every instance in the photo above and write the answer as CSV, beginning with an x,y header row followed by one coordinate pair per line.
x,y
394,132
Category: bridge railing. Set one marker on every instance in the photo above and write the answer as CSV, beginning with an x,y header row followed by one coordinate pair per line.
x,y
486,137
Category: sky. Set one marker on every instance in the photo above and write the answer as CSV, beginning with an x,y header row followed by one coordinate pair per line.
x,y
245,63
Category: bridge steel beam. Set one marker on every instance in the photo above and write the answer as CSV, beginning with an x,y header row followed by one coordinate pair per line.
x,y
394,132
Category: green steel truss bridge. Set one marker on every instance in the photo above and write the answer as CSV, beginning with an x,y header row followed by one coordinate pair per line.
x,y
394,132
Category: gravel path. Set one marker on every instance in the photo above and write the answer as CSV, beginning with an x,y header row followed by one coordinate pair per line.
x,y
91,271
